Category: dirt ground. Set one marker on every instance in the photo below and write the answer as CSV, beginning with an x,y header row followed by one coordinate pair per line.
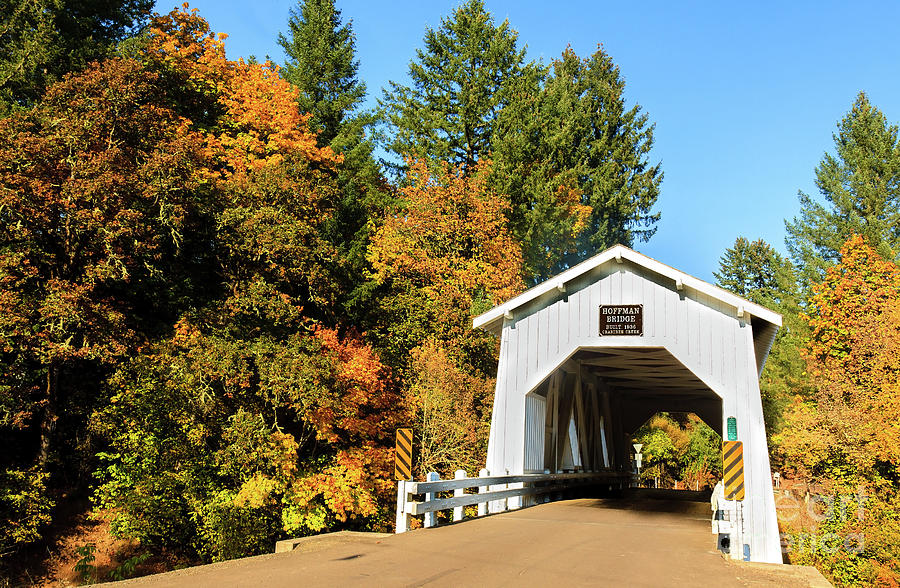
x,y
53,561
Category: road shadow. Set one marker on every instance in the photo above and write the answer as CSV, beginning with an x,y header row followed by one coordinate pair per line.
x,y
652,500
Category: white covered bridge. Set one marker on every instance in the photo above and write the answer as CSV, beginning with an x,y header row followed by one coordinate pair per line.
x,y
569,397
588,356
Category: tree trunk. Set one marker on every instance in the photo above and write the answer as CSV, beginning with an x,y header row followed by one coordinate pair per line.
x,y
48,422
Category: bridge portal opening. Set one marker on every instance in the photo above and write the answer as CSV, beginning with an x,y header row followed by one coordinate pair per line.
x,y
584,416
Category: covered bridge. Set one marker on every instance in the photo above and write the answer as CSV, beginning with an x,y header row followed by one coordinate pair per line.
x,y
588,356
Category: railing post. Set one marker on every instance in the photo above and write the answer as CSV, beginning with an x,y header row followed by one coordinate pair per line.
x,y
515,502
431,517
403,517
495,506
546,497
483,506
458,510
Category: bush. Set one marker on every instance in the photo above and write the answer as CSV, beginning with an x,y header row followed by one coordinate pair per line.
x,y
24,507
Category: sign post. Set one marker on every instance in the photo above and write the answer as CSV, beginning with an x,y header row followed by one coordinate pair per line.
x,y
403,474
638,456
733,474
733,469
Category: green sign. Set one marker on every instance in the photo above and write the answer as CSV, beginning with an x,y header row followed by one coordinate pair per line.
x,y
732,429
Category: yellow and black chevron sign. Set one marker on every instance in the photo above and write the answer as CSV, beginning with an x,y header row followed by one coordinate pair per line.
x,y
403,455
733,463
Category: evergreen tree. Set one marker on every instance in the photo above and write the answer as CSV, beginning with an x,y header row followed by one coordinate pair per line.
x,y
41,40
755,271
860,194
322,64
573,159
461,81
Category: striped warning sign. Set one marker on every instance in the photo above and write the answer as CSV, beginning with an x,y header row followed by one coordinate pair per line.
x,y
733,464
403,455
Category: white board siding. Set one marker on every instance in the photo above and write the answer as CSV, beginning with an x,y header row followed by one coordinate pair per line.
x,y
535,415
702,318
700,331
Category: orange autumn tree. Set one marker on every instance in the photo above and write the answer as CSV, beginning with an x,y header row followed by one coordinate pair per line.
x,y
256,415
442,256
448,244
848,429
258,122
846,435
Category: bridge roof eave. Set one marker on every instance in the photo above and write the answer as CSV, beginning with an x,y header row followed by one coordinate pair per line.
x,y
492,320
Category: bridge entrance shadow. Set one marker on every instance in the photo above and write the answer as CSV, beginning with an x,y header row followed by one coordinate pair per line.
x,y
689,502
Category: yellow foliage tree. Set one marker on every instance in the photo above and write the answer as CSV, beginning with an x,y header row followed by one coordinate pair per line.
x,y
846,436
444,254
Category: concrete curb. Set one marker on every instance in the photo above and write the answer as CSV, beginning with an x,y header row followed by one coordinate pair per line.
x,y
806,573
316,542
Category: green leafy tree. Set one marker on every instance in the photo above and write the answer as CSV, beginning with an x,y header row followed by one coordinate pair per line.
x,y
702,459
663,442
680,447
246,419
461,80
99,196
41,40
24,507
164,275
97,192
859,187
574,161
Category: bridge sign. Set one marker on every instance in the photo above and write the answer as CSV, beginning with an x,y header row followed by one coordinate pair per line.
x,y
733,463
622,319
403,455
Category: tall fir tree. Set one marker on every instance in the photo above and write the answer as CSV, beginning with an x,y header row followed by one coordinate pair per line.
x,y
574,160
461,80
860,194
755,271
322,64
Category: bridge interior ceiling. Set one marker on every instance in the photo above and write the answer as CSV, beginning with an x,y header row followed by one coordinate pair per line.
x,y
645,371
647,380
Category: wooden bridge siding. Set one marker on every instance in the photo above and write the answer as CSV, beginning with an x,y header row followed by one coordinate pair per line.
x,y
701,332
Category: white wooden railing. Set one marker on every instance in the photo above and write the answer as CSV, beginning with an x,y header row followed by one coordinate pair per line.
x,y
495,493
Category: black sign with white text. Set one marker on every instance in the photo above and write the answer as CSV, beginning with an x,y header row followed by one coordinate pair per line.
x,y
622,319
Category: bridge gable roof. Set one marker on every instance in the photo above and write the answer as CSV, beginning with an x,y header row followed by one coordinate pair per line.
x,y
492,320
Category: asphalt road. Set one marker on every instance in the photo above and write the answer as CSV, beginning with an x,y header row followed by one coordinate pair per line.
x,y
582,542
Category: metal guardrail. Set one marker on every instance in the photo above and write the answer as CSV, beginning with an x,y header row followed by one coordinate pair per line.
x,y
494,490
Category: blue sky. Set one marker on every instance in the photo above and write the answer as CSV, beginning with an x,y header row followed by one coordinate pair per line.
x,y
745,96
